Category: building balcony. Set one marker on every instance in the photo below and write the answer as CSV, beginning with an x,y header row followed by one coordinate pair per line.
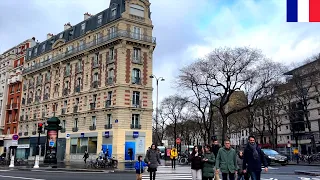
x,y
108,103
95,84
77,89
75,129
121,34
92,128
108,126
9,106
136,104
110,80
15,105
136,59
136,80
135,126
15,79
95,65
75,109
34,132
63,130
46,96
65,92
63,111
110,59
92,106
137,18
78,70
25,133
21,118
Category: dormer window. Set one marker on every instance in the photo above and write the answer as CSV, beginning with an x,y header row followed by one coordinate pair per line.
x,y
61,35
35,50
113,12
99,20
43,47
136,10
83,27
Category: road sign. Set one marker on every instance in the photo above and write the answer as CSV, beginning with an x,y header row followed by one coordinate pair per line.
x,y
178,140
67,135
14,142
51,143
15,137
116,121
82,135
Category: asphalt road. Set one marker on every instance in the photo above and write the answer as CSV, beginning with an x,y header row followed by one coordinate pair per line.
x,y
164,173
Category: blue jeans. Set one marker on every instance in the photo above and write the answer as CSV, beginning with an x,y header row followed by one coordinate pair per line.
x,y
255,175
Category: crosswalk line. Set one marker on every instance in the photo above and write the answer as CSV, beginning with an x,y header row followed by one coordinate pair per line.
x,y
178,176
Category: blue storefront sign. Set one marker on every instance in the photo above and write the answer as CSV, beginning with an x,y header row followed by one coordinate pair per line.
x,y
82,135
135,134
106,134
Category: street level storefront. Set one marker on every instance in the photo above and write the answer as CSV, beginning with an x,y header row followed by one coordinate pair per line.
x,y
23,149
116,141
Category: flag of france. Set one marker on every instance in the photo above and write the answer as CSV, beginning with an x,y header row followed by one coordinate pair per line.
x,y
303,10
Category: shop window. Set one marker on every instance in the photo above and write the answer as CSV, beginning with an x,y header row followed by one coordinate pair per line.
x,y
92,145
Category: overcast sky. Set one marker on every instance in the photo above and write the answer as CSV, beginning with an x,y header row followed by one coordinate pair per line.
x,y
185,29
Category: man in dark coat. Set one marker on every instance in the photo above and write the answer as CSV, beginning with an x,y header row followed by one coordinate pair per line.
x,y
214,149
253,157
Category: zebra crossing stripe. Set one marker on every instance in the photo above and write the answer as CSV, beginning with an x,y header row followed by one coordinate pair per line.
x,y
178,176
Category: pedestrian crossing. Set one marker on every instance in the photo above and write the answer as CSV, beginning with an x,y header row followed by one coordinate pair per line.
x,y
305,178
175,176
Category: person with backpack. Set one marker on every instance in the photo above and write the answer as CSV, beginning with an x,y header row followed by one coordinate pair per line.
x,y
153,159
139,166
253,158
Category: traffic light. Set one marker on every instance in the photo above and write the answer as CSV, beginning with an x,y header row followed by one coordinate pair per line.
x,y
40,126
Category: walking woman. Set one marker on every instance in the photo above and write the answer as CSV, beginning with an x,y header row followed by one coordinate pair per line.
x,y
208,164
241,174
196,163
153,159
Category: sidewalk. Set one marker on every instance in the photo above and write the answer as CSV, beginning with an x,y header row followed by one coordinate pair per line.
x,y
303,164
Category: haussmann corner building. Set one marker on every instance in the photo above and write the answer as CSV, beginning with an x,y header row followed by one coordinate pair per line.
x,y
94,76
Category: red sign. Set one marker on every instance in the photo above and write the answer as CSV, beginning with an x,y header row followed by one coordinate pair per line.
x,y
15,137
178,140
168,152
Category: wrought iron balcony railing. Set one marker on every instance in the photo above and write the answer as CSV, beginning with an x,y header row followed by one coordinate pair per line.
x,y
135,126
93,127
108,126
75,129
86,46
137,59
136,80
95,84
108,103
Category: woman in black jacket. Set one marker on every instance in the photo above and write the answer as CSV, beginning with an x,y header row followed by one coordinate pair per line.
x,y
196,163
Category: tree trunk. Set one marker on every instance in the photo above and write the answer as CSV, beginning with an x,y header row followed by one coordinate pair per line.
x,y
224,127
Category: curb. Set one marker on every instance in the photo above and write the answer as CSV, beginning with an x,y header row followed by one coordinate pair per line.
x,y
303,164
310,173
61,169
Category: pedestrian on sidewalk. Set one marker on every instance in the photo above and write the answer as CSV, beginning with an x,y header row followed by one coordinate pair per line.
x,y
226,161
208,164
85,156
241,174
173,156
253,157
214,149
196,163
153,159
139,166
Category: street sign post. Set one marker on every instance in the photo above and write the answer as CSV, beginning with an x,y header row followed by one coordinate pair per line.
x,y
15,139
51,143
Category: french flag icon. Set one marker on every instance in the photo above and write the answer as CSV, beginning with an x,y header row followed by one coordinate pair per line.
x,y
303,10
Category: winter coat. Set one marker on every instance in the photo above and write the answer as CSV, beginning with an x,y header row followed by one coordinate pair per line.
x,y
173,153
215,149
254,165
153,157
208,166
239,163
139,166
226,160
196,161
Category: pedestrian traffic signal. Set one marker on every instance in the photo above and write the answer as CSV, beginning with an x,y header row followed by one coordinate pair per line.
x,y
40,126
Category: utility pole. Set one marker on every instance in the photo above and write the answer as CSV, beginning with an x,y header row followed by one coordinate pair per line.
x,y
157,103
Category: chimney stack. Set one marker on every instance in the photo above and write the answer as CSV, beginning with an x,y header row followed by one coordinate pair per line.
x,y
49,35
33,38
87,16
67,26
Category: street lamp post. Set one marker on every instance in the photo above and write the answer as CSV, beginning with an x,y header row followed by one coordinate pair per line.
x,y
157,81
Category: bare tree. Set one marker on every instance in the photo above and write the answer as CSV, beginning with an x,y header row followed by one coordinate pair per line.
x,y
223,72
172,108
159,129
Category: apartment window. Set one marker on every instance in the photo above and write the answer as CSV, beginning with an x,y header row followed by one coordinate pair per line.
x,y
8,130
109,119
99,20
136,74
83,27
20,129
75,123
136,10
94,98
27,128
136,98
79,65
136,32
288,137
111,53
18,87
286,117
65,103
66,85
113,12
47,90
77,101
69,48
79,81
279,128
112,31
95,59
35,51
56,88
63,125
93,121
61,35
135,119
68,68
136,54
43,47
280,138
35,127
109,97
287,127
81,43
30,53
96,77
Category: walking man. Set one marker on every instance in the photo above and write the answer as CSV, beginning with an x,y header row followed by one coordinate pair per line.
x,y
173,156
226,161
214,149
254,157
